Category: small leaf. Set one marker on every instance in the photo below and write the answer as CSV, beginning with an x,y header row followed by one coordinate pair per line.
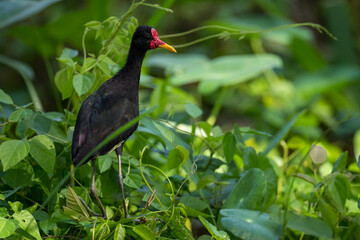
x,y
144,232
102,231
20,114
341,162
12,152
120,232
67,55
304,177
7,228
218,235
177,157
28,223
205,180
82,84
5,98
42,149
193,202
317,154
104,162
64,83
206,127
167,133
16,206
133,180
193,110
74,208
229,146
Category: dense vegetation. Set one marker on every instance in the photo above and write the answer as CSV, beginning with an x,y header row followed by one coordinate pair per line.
x,y
251,131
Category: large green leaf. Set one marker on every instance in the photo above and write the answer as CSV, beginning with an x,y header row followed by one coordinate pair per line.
x,y
28,223
19,175
74,207
44,126
309,225
252,160
7,228
13,11
248,191
218,235
12,152
250,225
42,149
20,114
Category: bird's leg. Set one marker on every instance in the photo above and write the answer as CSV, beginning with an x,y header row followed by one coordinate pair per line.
x,y
94,190
121,184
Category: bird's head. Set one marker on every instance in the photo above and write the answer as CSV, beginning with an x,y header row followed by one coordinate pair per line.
x,y
146,38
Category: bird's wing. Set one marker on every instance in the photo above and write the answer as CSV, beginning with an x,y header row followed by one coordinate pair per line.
x,y
99,116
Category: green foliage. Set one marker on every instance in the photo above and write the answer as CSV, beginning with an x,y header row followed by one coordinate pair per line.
x,y
288,176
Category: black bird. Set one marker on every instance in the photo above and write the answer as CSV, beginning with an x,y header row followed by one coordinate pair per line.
x,y
114,104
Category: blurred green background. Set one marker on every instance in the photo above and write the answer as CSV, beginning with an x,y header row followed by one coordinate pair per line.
x,y
317,73
293,87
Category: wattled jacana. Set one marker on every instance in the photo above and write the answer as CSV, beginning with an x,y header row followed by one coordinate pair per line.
x,y
114,104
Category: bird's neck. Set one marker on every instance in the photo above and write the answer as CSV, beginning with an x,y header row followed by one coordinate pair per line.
x,y
134,62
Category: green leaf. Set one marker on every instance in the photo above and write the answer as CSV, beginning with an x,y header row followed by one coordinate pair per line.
x,y
205,180
253,160
19,175
133,180
193,202
206,127
42,149
249,224
248,191
177,157
102,231
14,11
74,208
165,132
193,110
281,134
229,146
82,84
3,210
28,223
16,206
12,152
341,162
318,154
104,162
338,189
20,114
44,126
357,143
64,83
5,98
67,55
7,228
144,232
120,232
218,235
309,225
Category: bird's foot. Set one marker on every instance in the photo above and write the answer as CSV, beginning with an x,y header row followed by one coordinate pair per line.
x,y
91,211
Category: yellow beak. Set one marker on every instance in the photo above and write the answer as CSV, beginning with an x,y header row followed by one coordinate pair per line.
x,y
168,47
